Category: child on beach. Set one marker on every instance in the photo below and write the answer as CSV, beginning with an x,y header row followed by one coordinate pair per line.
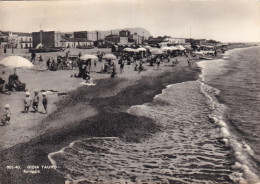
x,y
158,61
189,62
27,102
35,101
7,115
44,102
122,64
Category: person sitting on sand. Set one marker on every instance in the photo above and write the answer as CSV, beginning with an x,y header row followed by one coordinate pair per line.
x,y
27,102
6,116
35,101
15,84
44,102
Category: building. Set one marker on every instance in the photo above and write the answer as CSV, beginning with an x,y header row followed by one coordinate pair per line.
x,y
113,38
90,35
15,39
124,33
24,40
123,41
157,40
94,35
75,42
196,41
171,40
3,39
47,38
137,39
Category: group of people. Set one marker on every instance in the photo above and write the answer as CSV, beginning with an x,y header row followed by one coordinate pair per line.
x,y
28,102
34,102
13,84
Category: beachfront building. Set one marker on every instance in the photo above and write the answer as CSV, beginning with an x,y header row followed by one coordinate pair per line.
x,y
90,35
47,38
171,40
15,40
3,39
24,40
75,42
124,37
124,41
196,41
158,40
137,39
113,38
103,44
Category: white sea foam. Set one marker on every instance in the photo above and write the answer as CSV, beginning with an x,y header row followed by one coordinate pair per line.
x,y
244,172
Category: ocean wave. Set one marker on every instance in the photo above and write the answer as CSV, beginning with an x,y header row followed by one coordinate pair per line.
x,y
244,169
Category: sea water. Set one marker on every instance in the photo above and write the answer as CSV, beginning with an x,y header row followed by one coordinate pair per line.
x,y
210,132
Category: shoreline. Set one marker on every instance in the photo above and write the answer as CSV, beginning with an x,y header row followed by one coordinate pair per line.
x,y
123,94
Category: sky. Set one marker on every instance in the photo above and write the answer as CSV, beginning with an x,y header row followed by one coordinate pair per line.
x,y
223,20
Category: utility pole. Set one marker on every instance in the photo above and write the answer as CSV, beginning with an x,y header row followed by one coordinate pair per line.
x,y
41,33
190,31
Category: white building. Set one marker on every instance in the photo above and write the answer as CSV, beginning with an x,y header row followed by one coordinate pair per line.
x,y
123,41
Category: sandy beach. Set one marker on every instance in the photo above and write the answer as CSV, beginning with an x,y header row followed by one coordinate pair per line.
x,y
82,111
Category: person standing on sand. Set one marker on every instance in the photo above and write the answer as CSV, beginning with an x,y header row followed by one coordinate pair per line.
x,y
158,62
44,102
122,64
79,54
35,101
7,115
189,62
33,55
27,102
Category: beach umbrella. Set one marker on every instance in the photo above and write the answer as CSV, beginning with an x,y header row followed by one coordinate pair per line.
x,y
180,47
16,62
173,48
156,51
109,56
147,47
89,56
129,50
141,49
165,48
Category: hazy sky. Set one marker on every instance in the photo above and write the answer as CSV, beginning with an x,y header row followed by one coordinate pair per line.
x,y
224,20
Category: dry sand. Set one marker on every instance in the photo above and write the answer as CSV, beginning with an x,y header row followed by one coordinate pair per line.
x,y
24,127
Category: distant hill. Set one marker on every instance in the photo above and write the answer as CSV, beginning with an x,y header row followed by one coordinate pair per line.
x,y
138,30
